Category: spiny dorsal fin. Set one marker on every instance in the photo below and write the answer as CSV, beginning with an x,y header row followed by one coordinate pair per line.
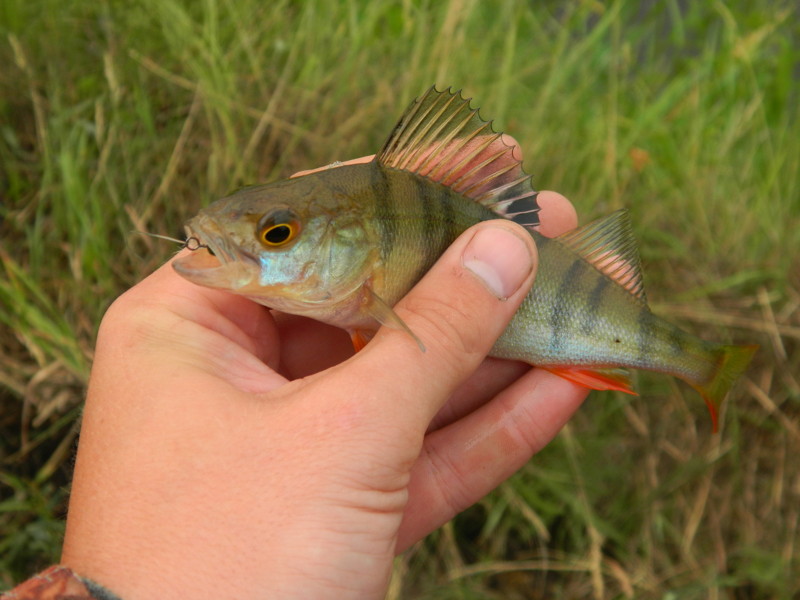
x,y
442,138
608,244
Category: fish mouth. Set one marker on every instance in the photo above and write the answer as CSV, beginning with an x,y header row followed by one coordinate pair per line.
x,y
215,260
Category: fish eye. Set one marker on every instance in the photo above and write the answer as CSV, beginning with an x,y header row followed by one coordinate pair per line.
x,y
278,234
277,228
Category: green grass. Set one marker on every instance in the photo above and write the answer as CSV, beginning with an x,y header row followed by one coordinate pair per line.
x,y
123,116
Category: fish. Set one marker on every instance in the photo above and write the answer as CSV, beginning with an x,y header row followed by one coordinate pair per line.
x,y
342,245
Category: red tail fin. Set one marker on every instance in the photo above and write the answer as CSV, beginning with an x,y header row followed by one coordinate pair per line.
x,y
733,360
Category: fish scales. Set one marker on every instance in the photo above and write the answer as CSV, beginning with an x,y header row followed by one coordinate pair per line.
x,y
569,294
426,219
343,245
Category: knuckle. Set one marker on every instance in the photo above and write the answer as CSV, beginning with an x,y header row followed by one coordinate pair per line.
x,y
457,327
525,431
130,318
449,479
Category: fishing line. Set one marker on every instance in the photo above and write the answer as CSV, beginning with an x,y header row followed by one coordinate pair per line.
x,y
191,243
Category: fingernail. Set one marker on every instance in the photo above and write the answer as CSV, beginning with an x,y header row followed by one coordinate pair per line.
x,y
500,259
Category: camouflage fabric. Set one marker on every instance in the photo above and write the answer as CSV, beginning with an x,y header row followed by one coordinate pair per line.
x,y
58,583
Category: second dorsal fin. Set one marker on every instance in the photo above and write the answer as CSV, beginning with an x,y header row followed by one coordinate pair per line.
x,y
609,245
440,137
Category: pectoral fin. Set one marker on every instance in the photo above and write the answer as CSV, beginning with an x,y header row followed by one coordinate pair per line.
x,y
360,338
379,310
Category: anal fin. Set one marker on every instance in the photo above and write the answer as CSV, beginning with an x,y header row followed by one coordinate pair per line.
x,y
597,379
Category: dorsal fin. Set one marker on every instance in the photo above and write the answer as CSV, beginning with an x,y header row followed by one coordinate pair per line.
x,y
609,245
442,138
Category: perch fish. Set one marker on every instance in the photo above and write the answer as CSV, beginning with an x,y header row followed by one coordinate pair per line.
x,y
344,244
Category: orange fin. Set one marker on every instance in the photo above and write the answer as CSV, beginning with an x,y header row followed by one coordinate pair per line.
x,y
597,379
360,338
732,362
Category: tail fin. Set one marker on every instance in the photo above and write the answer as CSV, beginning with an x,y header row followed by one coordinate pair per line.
x,y
732,361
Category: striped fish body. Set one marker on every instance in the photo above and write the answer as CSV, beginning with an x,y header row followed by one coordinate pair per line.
x,y
576,319
343,245
412,221
582,318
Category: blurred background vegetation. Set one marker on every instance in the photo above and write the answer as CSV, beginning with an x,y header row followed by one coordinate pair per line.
x,y
124,116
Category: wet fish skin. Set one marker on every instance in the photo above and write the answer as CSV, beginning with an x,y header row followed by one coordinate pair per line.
x,y
369,232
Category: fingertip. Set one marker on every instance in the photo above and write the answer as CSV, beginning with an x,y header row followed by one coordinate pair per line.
x,y
557,214
510,141
502,255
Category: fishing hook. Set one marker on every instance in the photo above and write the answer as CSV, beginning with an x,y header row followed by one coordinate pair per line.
x,y
192,243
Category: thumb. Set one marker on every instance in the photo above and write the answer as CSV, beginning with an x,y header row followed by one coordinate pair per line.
x,y
458,310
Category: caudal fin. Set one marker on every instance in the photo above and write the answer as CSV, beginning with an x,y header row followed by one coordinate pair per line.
x,y
732,361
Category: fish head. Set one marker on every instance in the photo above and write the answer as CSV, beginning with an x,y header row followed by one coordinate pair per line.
x,y
294,245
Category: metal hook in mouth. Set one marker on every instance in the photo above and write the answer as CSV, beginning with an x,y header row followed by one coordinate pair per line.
x,y
192,243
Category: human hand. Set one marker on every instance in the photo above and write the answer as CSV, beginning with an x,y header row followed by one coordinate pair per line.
x,y
218,460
